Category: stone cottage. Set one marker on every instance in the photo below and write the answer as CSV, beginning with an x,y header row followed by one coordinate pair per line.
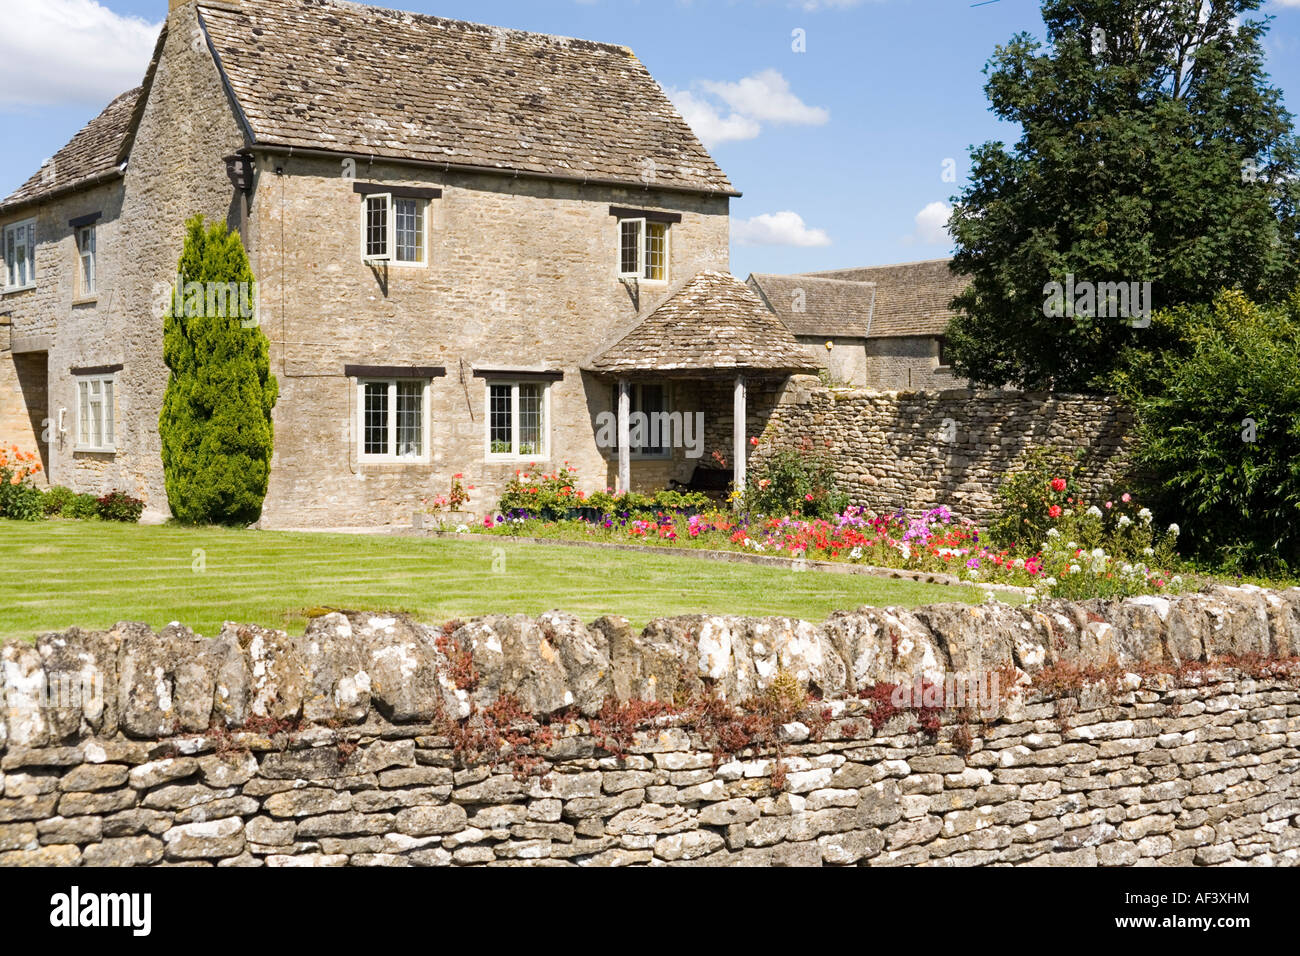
x,y
880,327
469,244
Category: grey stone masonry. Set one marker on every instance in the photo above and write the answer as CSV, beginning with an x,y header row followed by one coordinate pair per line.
x,y
953,447
347,745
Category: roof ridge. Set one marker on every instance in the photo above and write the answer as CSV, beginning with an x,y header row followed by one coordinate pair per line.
x,y
427,18
884,265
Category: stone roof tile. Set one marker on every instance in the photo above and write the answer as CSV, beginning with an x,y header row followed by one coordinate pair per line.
x,y
714,321
91,153
326,74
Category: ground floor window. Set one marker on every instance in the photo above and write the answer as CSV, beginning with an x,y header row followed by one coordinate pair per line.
x,y
517,419
394,418
649,428
95,413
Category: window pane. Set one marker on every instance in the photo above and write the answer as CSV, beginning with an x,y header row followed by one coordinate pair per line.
x,y
96,414
108,413
87,245
531,424
629,244
376,226
652,404
410,230
500,441
376,418
83,413
410,415
11,256
656,250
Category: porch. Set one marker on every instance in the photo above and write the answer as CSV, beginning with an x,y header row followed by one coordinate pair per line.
x,y
716,339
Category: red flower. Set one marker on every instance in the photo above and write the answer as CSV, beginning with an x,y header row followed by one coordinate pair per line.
x,y
1054,511
1058,484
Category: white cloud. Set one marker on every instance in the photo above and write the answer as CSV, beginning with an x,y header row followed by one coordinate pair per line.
x,y
70,52
709,125
766,97
785,228
932,225
738,110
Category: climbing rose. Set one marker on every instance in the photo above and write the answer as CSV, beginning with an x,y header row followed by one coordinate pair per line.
x,y
1058,484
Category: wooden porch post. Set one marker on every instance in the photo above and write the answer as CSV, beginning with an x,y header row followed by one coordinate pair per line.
x,y
738,434
624,436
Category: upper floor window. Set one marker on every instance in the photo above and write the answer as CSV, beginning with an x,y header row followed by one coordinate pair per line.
x,y
517,419
95,413
86,256
20,255
643,249
393,229
394,419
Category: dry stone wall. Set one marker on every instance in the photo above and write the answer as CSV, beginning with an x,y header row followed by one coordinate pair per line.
x,y
953,447
348,746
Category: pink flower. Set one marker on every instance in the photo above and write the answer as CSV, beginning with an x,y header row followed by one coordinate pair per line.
x,y
807,497
1109,503
1126,497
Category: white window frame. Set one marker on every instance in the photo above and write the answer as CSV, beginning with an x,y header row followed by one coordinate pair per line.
x,y
389,256
390,240
643,237
87,288
513,454
107,411
392,458
28,227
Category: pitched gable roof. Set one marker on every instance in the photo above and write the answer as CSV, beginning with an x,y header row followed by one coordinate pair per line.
x,y
90,155
714,321
813,306
326,74
912,298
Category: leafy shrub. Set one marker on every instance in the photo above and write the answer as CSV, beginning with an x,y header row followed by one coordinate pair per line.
x,y
19,498
1218,434
82,507
24,502
119,506
791,481
57,499
1027,496
548,496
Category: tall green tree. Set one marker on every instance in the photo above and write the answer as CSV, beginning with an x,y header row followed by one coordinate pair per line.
x,y
216,415
1152,149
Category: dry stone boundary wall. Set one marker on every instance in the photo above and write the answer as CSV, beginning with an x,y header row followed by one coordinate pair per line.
x,y
916,450
257,748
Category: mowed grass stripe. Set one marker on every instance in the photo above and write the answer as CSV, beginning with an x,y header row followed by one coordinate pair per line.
x,y
92,574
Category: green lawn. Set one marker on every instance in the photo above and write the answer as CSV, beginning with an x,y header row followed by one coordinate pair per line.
x,y
55,574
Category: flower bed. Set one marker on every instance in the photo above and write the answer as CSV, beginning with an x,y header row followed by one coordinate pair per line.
x,y
931,542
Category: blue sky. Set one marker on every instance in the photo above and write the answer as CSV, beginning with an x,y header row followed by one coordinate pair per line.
x,y
839,149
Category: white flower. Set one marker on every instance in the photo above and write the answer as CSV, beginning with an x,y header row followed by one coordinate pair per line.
x,y
1098,552
1148,551
973,574
1075,569
906,549
462,528
1071,545
1049,582
1018,564
1124,521
1173,529
1145,515
1176,580
856,554
1053,533
1094,512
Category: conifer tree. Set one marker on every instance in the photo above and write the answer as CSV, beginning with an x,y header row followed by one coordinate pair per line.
x,y
215,423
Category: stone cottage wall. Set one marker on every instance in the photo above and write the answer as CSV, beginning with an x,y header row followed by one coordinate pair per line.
x,y
890,449
347,745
